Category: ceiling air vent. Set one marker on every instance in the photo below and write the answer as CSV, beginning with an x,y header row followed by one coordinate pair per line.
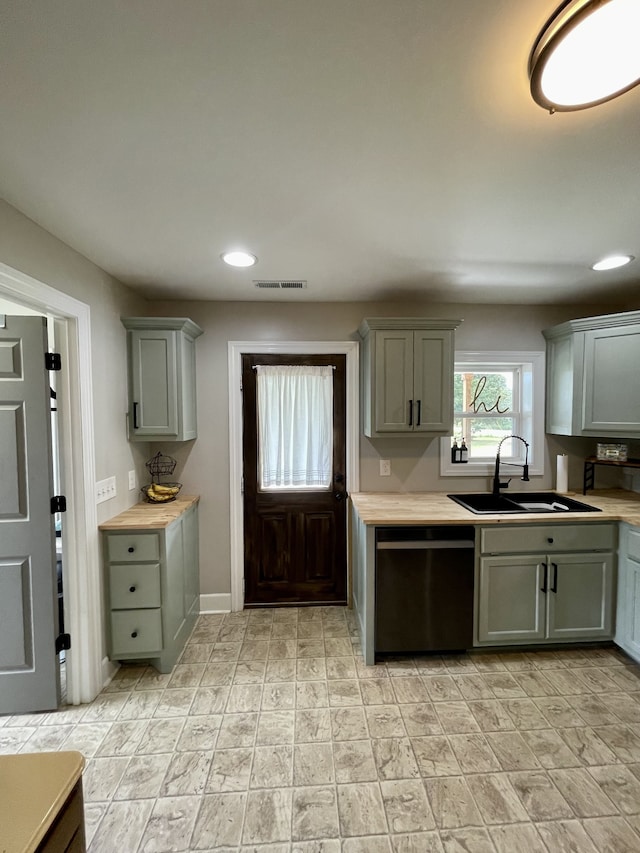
x,y
280,285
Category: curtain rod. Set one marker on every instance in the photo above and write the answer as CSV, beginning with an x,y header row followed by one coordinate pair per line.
x,y
332,366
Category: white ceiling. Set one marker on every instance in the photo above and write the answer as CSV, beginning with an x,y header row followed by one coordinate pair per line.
x,y
379,149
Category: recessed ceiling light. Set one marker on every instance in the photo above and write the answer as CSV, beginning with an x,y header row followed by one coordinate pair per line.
x,y
586,54
611,262
239,259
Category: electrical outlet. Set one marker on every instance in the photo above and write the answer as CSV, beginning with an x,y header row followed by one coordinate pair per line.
x,y
105,489
385,467
132,480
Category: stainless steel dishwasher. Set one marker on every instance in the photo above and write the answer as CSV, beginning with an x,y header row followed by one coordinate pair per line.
x,y
424,589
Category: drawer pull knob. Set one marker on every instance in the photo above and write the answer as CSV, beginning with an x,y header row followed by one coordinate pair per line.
x,y
132,589
550,540
131,549
134,634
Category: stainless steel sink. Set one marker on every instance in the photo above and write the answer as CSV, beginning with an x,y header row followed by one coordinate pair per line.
x,y
520,502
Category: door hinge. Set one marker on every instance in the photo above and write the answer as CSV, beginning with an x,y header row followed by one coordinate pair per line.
x,y
52,361
58,504
63,643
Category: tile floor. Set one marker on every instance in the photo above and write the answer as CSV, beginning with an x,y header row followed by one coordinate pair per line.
x,y
271,736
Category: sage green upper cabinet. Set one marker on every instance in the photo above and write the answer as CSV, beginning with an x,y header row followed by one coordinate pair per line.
x,y
593,381
162,378
407,369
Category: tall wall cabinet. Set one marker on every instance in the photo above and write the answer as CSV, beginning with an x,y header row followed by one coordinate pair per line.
x,y
162,378
407,386
593,381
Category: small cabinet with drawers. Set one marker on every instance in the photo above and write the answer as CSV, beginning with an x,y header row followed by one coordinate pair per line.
x,y
152,581
545,583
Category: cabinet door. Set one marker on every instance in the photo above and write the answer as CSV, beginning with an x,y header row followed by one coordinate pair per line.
x,y
612,381
511,601
580,596
433,381
560,385
393,381
153,383
190,541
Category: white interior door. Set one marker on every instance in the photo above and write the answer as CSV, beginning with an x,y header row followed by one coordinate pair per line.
x,y
29,671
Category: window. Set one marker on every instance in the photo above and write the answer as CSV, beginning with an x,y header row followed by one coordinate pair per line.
x,y
295,427
496,395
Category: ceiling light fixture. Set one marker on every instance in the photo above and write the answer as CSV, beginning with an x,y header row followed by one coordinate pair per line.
x,y
611,262
237,258
586,54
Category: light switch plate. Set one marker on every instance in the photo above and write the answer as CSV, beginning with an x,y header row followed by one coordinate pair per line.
x,y
105,489
132,480
385,467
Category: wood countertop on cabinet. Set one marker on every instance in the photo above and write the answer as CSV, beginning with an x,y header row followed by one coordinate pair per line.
x,y
436,508
150,516
33,789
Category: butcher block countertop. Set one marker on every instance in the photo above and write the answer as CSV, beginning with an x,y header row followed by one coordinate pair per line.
x,y
437,508
149,516
33,789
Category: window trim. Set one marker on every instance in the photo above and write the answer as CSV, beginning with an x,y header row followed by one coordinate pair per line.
x,y
531,406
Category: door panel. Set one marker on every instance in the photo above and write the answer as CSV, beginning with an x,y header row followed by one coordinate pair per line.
x,y
29,672
295,541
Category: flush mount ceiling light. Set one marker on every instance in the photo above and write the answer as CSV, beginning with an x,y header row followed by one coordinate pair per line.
x,y
239,259
611,262
586,54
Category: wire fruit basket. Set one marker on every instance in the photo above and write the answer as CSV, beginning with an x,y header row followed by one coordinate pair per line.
x,y
155,491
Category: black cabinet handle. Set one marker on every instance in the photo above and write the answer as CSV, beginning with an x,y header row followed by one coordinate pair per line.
x,y
543,588
131,549
419,405
554,585
134,634
135,416
132,589
410,412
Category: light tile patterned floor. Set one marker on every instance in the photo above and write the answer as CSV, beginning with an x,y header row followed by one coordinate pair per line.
x,y
271,736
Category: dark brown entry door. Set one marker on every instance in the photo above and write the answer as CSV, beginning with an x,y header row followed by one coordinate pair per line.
x,y
294,541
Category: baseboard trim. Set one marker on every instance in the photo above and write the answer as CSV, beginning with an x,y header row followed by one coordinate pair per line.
x,y
215,603
109,669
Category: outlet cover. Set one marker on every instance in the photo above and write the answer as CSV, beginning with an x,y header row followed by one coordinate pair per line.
x,y
385,467
105,490
132,480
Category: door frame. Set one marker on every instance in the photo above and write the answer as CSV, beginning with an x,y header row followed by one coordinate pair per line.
x,y
235,352
82,592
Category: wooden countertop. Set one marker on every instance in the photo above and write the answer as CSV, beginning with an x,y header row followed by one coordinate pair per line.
x,y
437,508
148,516
33,789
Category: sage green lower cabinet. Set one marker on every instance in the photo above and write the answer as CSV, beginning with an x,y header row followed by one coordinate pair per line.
x,y
152,590
628,612
555,595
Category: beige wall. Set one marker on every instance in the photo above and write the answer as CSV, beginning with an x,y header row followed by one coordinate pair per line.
x,y
26,247
204,464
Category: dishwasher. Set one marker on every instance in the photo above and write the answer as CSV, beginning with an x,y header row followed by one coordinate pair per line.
x,y
424,589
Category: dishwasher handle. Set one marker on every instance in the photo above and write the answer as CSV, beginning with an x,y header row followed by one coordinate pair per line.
x,y
425,545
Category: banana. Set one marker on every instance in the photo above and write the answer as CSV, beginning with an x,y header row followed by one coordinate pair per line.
x,y
165,490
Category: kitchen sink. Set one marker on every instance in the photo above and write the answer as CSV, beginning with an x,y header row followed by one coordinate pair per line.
x,y
520,502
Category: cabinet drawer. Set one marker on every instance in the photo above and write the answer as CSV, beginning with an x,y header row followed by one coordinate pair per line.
x,y
547,538
133,547
135,632
134,585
